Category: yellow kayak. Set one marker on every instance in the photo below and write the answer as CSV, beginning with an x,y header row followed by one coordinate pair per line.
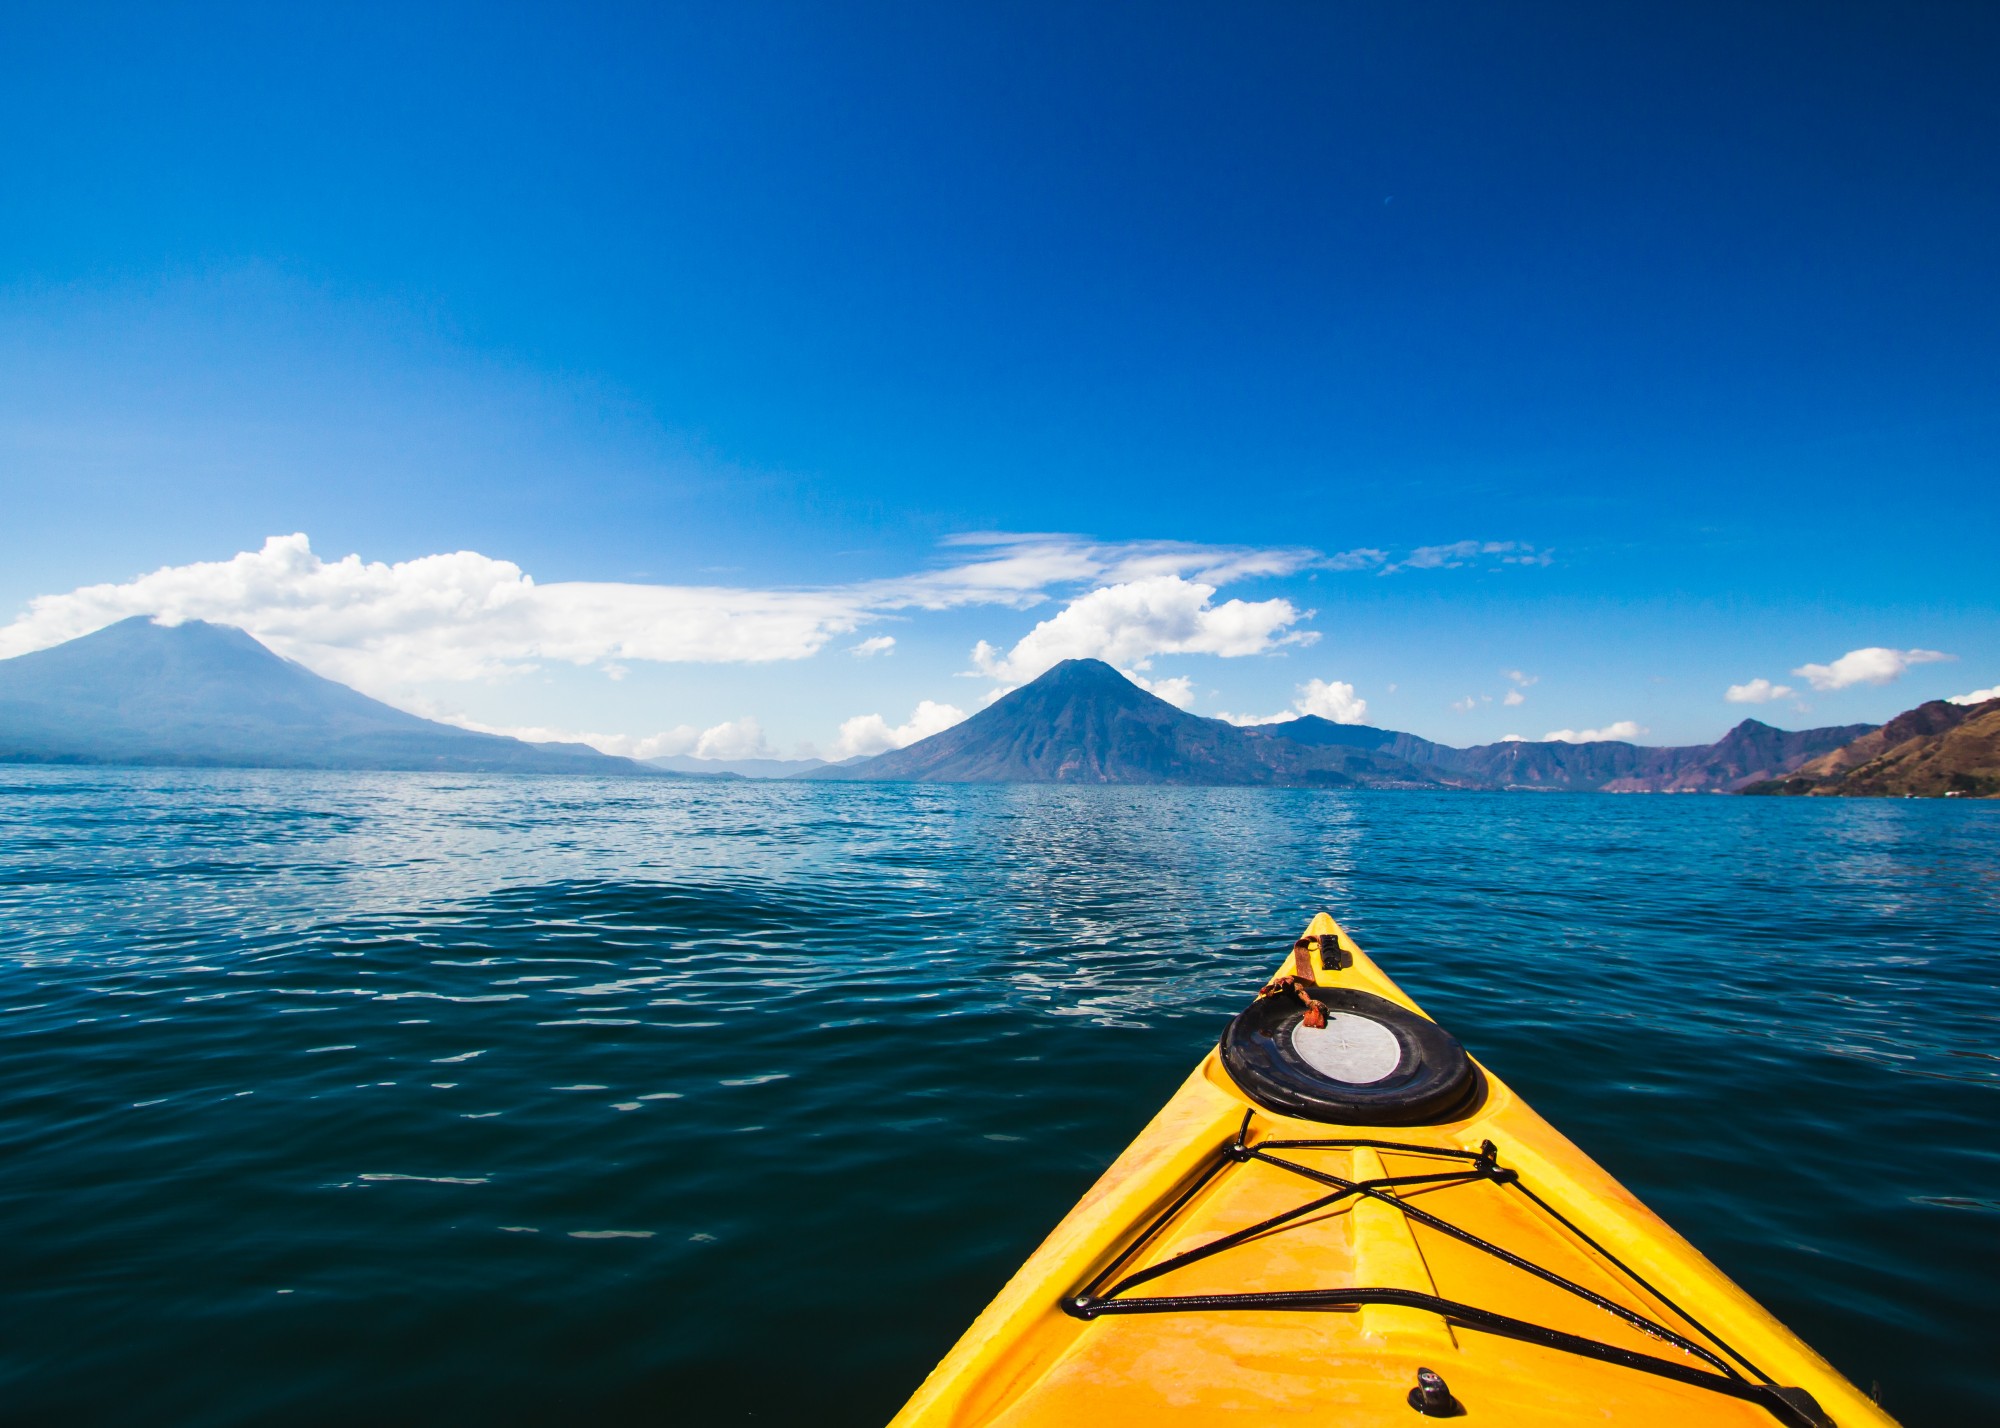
x,y
1342,1219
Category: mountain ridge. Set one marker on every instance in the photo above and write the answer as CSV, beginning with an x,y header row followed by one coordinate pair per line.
x,y
1083,722
1938,749
196,694
1064,728
211,696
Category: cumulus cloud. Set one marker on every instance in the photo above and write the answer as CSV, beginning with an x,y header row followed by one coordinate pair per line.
x,y
736,739
1333,700
1624,729
872,734
1466,705
1874,665
1178,691
679,740
445,617
1757,691
1514,697
1977,696
733,739
1330,699
382,626
1522,679
390,628
1130,623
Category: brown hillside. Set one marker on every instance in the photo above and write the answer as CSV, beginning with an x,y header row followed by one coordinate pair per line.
x,y
1962,761
1926,719
1935,750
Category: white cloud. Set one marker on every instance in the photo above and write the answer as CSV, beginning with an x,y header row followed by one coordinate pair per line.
x,y
394,628
1757,691
1178,691
736,739
1025,567
1513,738
1623,729
1521,679
1978,696
674,741
387,626
466,616
1363,558
1874,665
1460,553
461,616
1465,705
1128,624
733,739
872,734
1514,697
1332,700
681,739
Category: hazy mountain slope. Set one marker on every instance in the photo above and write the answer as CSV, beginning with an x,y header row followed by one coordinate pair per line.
x,y
202,694
1514,763
1933,750
1314,731
1083,722
1751,752
1519,763
1747,753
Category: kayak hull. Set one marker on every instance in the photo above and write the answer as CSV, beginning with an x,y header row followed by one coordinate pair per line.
x,y
1031,1359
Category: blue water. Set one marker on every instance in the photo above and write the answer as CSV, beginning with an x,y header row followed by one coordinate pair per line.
x,y
340,1098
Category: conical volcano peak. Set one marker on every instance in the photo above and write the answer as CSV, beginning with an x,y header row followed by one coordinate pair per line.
x,y
1080,674
1083,675
1081,721
154,629
142,692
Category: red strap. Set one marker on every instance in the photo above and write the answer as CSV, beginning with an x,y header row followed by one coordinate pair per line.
x,y
1303,989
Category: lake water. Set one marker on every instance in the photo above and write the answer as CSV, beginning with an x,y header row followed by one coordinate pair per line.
x,y
343,1098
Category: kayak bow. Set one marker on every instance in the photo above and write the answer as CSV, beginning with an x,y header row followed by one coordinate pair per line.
x,y
1341,1218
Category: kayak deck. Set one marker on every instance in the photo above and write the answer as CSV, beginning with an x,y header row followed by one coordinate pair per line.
x,y
1240,1266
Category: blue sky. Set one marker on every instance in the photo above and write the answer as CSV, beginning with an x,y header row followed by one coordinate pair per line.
x,y
726,324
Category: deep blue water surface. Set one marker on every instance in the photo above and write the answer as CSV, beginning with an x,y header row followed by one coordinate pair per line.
x,y
401,1098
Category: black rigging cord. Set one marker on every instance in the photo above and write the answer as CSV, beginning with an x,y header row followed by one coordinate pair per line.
x,y
1791,1407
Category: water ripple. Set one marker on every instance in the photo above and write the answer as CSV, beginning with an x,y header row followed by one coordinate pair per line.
x,y
531,1100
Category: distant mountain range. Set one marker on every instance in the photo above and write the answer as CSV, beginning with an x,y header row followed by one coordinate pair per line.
x,y
209,695
1935,750
1746,754
1083,722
